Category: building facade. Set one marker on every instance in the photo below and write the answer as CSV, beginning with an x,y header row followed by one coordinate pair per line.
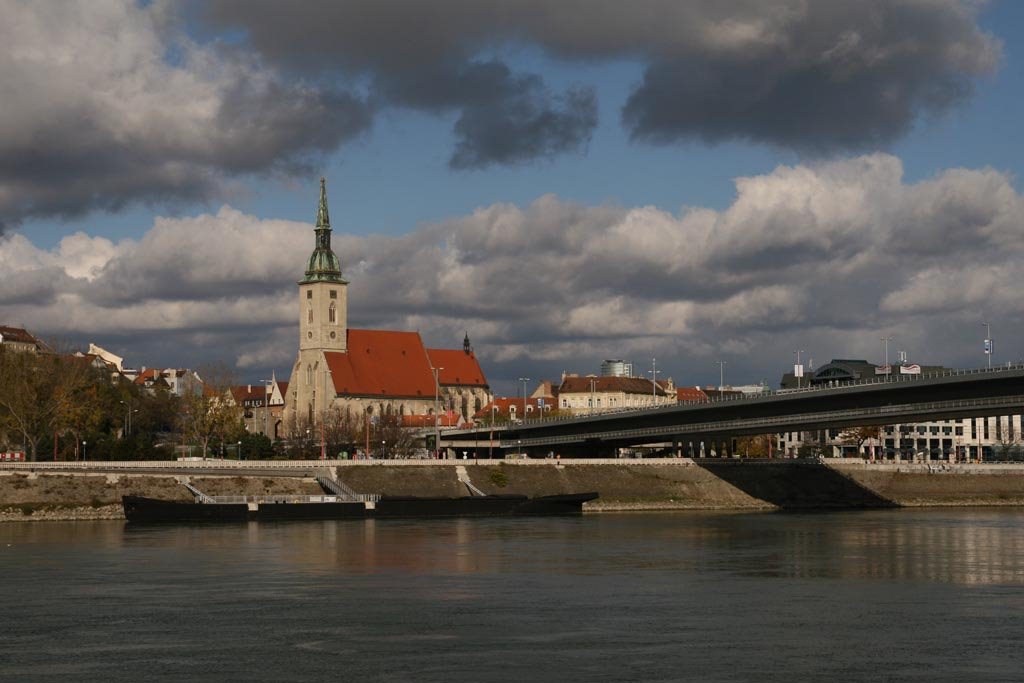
x,y
592,394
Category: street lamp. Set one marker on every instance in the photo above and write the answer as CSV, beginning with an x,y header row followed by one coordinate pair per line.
x,y
524,380
888,370
437,424
653,372
721,376
83,450
989,346
383,449
127,416
798,369
267,390
239,451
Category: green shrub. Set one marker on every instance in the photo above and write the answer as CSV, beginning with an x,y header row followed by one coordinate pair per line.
x,y
499,478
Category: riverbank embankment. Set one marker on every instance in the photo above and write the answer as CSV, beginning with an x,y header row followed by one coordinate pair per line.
x,y
93,490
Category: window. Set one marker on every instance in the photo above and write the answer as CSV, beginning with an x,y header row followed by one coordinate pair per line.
x,y
334,294
309,293
309,314
332,314
309,374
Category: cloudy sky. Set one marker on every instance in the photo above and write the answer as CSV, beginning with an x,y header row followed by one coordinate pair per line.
x,y
568,181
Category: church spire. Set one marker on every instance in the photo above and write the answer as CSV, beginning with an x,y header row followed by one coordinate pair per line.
x,y
466,346
323,265
323,219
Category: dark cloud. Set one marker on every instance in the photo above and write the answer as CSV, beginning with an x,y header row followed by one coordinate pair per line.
x,y
811,76
98,119
505,118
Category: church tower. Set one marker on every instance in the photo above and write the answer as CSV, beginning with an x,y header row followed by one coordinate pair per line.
x,y
323,294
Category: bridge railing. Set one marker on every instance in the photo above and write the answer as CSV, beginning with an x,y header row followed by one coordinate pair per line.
x,y
885,415
880,379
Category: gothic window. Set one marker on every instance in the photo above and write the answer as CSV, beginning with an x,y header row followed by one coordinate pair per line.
x,y
309,374
332,314
477,405
465,407
309,314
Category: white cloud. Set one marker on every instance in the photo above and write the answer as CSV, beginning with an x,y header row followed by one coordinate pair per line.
x,y
825,257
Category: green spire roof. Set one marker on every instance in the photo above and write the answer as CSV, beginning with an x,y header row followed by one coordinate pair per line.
x,y
323,265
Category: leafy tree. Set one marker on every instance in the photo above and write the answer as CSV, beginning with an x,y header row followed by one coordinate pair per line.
x,y
858,436
207,413
40,394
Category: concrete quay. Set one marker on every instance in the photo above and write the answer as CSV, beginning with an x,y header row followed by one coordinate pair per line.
x,y
93,490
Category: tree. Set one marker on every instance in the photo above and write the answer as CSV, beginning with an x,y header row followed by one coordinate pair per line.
x,y
40,393
756,446
858,436
208,414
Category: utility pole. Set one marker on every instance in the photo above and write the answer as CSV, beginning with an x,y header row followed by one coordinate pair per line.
x,y
524,380
888,370
437,424
654,380
989,345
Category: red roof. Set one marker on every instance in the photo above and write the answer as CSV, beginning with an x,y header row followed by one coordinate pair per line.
x,y
629,385
382,363
249,392
503,405
457,367
444,420
283,386
17,334
690,395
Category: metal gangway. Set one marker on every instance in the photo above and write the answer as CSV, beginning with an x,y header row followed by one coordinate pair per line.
x,y
200,496
340,489
463,476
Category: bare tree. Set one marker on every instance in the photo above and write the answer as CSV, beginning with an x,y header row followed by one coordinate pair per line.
x,y
858,436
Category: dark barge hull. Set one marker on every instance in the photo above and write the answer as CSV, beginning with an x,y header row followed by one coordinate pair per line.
x,y
140,509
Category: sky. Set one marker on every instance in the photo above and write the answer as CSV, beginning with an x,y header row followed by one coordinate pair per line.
x,y
565,181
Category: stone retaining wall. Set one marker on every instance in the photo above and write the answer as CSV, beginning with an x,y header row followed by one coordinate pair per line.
x,y
623,485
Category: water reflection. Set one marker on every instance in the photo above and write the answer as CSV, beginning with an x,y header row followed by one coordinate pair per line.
x,y
969,547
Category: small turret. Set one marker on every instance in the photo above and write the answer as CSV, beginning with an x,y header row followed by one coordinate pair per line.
x,y
466,346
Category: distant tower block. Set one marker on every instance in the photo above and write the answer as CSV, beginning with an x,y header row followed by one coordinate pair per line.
x,y
616,368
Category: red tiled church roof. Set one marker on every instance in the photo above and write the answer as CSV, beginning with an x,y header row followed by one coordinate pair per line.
x,y
382,363
458,367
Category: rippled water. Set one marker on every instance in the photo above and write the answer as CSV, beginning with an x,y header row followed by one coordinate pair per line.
x,y
899,595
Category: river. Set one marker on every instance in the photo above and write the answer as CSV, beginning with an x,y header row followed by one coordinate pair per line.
x,y
891,595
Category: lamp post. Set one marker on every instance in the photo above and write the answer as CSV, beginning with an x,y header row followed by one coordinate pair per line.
x,y
383,449
888,370
239,451
988,344
798,370
127,418
83,450
654,380
524,380
267,384
721,376
592,382
307,442
437,417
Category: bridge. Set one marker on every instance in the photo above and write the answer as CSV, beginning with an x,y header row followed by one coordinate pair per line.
x,y
952,394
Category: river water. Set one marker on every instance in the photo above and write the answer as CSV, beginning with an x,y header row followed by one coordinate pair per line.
x,y
894,595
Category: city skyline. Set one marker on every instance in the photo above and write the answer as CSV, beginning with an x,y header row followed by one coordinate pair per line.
x,y
539,185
